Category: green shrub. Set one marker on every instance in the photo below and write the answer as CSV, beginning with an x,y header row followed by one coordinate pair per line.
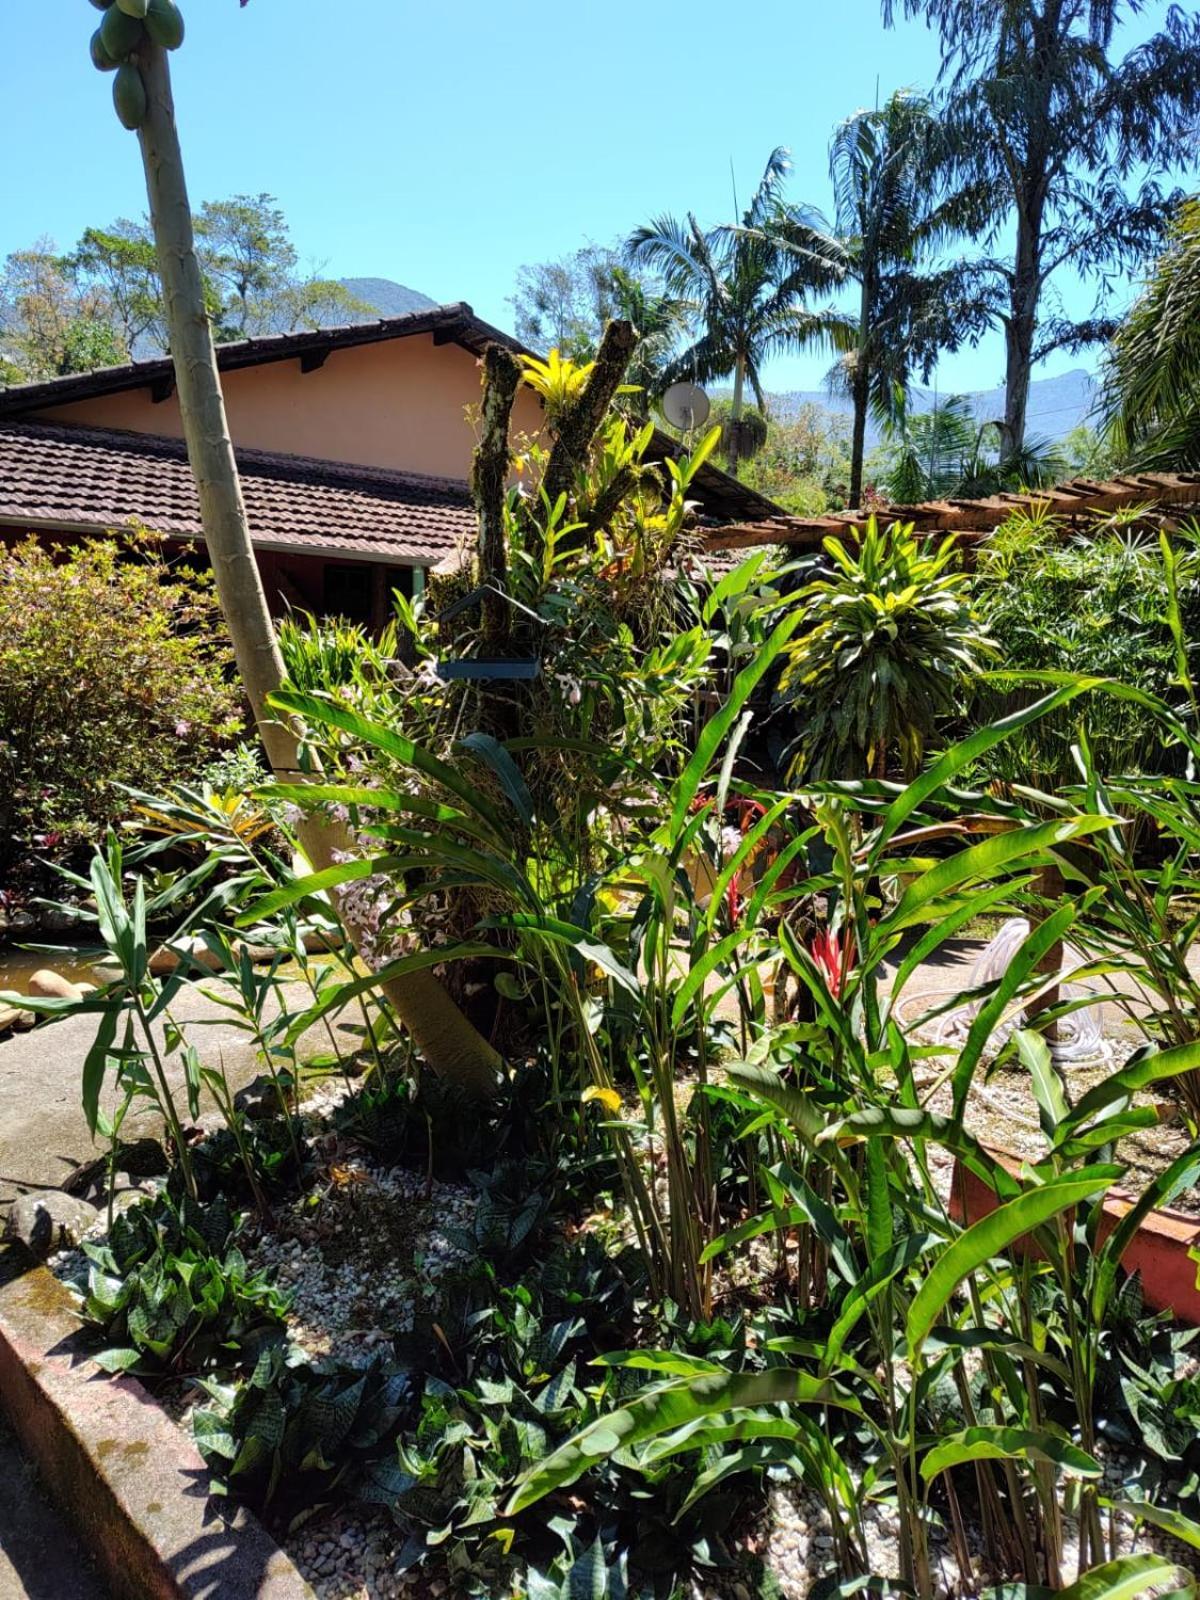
x,y
113,670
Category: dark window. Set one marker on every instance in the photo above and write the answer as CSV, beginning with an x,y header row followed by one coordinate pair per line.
x,y
349,592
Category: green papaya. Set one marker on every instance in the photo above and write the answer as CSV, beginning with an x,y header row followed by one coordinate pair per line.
x,y
134,8
129,97
164,24
101,59
120,33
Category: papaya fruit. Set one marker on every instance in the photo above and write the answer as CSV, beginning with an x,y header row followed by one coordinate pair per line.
x,y
134,8
129,97
120,33
101,59
164,24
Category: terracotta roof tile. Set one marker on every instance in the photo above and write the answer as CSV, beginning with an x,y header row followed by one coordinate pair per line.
x,y
78,479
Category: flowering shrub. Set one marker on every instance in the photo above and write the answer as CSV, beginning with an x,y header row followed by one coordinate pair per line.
x,y
113,670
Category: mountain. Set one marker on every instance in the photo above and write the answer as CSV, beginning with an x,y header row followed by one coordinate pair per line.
x,y
386,298
1056,405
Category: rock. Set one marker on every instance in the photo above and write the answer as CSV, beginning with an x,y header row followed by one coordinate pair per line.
x,y
24,1020
49,985
9,1018
166,958
47,1222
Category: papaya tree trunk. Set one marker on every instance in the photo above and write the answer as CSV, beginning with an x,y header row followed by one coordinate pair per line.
x,y
446,1039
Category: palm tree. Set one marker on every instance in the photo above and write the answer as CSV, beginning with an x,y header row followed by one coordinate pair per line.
x,y
1152,381
884,165
1065,143
742,287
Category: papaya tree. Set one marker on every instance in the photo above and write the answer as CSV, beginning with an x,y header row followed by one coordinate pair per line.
x,y
133,42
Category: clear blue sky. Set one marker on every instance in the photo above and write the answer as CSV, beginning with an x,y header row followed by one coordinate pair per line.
x,y
443,145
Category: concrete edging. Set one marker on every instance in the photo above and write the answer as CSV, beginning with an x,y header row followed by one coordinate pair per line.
x,y
133,1485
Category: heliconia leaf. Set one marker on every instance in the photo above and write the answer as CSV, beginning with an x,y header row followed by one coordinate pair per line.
x,y
579,939
962,754
1175,1523
1048,1090
663,1408
1139,1072
982,861
1041,939
991,1235
715,731
1009,1444
1127,1579
390,743
315,883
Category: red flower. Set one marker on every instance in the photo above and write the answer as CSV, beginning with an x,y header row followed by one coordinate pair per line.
x,y
828,953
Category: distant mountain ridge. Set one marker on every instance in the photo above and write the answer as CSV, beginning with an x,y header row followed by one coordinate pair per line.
x,y
386,297
1056,405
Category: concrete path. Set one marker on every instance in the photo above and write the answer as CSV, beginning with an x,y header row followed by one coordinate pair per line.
x,y
39,1556
43,1132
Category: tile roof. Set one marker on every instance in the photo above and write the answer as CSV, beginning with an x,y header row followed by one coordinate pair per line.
x,y
973,519
95,479
720,497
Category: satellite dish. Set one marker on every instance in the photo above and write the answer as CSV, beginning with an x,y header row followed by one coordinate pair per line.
x,y
686,406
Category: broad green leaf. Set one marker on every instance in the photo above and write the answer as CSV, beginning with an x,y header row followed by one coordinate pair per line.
x,y
699,972
1041,939
342,993
716,730
502,764
314,883
990,1236
961,755
1009,1444
662,1409
1048,1089
1173,1522
981,861
95,1065
704,1435
389,743
1128,1578
1139,1072
579,939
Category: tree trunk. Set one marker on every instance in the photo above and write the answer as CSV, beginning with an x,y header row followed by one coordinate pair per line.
x,y
733,443
1020,328
489,486
442,1034
860,391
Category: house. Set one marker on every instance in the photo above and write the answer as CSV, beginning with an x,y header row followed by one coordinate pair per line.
x,y
354,445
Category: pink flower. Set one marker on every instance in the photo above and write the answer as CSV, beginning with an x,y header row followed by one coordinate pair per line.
x,y
828,954
182,729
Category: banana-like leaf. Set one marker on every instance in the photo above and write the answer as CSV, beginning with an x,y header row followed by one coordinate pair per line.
x,y
1139,1072
579,939
662,1409
1041,939
982,861
1128,1578
962,754
703,1435
389,743
1009,1444
991,1235
716,730
1173,1522
1048,1090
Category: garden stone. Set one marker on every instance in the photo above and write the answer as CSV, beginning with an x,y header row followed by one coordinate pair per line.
x,y
47,1222
49,985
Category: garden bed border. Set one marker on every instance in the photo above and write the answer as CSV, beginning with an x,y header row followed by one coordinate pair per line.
x,y
131,1482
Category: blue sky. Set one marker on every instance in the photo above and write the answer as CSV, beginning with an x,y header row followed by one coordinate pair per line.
x,y
443,145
